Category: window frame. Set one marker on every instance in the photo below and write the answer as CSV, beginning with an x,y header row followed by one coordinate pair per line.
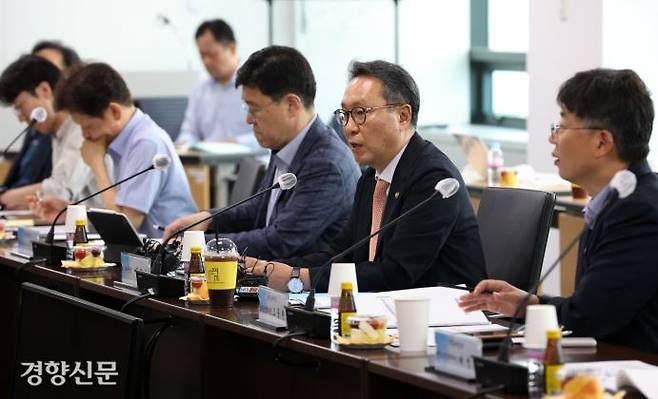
x,y
482,63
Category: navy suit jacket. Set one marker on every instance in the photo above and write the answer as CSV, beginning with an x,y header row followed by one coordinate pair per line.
x,y
307,217
616,295
33,162
438,243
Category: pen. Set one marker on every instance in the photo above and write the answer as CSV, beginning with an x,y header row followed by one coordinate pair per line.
x,y
458,287
158,227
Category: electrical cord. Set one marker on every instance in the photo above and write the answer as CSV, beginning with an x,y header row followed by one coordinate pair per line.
x,y
150,350
149,294
280,357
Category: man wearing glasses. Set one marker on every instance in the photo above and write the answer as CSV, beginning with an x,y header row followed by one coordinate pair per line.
x,y
439,242
278,88
606,122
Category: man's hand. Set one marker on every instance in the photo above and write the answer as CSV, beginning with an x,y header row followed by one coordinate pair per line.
x,y
495,296
93,152
47,207
278,273
186,221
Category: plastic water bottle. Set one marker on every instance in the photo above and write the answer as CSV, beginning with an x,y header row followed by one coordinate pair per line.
x,y
535,374
495,162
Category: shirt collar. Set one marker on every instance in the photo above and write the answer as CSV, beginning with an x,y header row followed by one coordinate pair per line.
x,y
389,170
595,205
118,145
288,152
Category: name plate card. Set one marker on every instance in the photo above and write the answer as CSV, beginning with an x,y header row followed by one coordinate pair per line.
x,y
272,307
454,353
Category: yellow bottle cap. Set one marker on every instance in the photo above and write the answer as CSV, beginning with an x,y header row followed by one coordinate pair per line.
x,y
553,334
346,285
80,222
195,250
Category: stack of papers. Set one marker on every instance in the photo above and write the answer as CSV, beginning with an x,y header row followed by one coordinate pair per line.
x,y
444,310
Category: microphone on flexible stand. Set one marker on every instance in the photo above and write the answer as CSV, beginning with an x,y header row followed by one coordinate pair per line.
x,y
306,319
622,185
38,115
159,162
162,285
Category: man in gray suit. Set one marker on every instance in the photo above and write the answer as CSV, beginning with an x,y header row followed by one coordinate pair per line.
x,y
278,88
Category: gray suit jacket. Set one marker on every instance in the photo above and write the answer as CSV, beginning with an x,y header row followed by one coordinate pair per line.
x,y
306,218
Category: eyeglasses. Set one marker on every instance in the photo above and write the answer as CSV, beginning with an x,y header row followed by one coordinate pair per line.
x,y
556,127
358,113
254,111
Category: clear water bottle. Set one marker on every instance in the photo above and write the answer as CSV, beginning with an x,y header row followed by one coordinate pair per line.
x,y
535,374
495,162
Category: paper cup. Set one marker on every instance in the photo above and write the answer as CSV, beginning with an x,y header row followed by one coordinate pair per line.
x,y
340,273
538,320
73,213
192,239
413,318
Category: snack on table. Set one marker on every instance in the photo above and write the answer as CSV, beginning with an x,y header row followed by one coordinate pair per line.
x,y
367,330
585,387
88,255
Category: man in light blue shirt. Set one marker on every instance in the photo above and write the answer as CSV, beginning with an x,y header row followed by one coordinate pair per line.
x,y
214,111
100,102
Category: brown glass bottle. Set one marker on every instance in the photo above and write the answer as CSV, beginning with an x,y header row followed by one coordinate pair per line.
x,y
80,235
346,308
195,268
553,362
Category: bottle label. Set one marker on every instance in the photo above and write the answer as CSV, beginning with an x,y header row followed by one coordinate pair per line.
x,y
553,383
221,275
344,325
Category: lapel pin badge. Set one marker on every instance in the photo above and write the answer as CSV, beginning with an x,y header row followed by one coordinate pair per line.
x,y
397,195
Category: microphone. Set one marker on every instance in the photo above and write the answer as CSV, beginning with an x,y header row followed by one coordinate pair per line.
x,y
284,182
159,162
38,115
622,185
446,187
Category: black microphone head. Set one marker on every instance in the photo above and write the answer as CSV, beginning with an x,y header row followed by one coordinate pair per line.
x,y
447,187
624,182
287,181
161,161
38,115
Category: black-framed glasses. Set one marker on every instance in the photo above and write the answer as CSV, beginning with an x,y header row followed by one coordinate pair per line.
x,y
358,113
556,127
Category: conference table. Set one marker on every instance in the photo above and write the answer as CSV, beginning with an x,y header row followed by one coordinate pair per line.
x,y
211,352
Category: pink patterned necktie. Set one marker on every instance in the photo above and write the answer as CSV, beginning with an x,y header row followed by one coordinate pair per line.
x,y
378,203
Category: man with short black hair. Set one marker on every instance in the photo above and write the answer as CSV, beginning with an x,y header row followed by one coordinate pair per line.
x,y
278,87
26,84
54,51
100,102
439,242
215,111
605,126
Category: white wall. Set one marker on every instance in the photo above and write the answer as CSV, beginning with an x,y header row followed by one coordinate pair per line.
x,y
565,37
629,29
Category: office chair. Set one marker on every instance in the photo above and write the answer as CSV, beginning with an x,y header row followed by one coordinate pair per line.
x,y
55,327
167,112
250,172
514,225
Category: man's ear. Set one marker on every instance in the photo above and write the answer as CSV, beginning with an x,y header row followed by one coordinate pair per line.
x,y
43,90
294,103
405,115
605,142
115,111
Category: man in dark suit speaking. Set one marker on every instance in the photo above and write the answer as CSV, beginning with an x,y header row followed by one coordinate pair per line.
x,y
278,89
439,242
605,126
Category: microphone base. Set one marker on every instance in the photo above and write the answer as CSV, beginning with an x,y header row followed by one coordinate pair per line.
x,y
41,249
161,285
491,372
316,324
